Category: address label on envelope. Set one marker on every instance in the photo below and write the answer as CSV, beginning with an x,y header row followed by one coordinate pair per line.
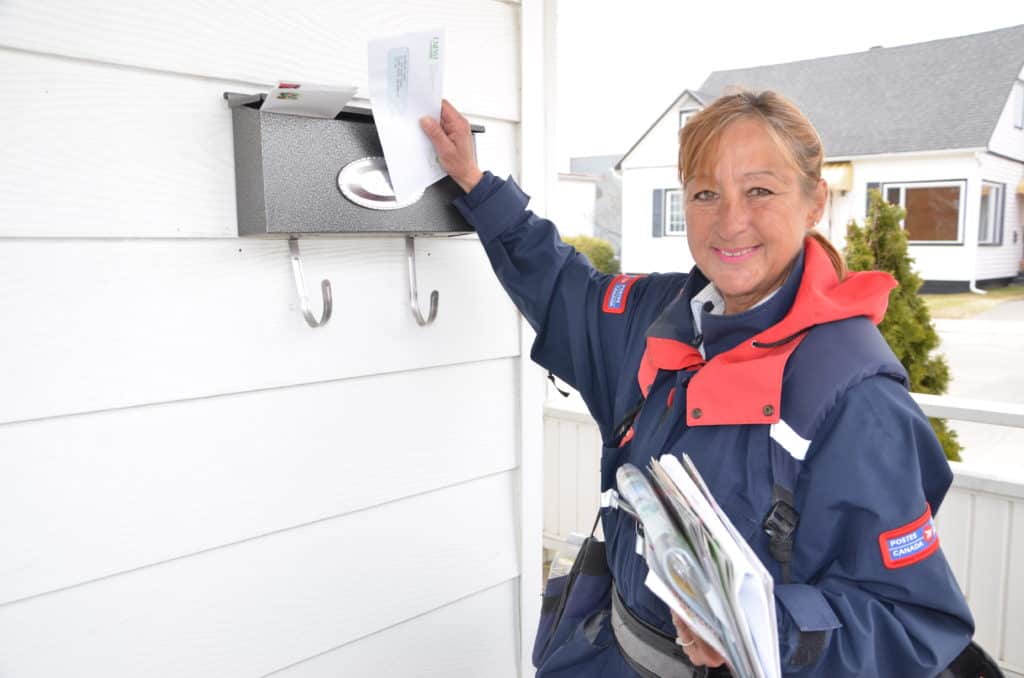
x,y
405,82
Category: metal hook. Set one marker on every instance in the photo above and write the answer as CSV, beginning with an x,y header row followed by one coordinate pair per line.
x,y
300,284
414,298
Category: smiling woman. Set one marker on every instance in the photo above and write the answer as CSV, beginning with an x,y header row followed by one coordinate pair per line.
x,y
751,168
763,365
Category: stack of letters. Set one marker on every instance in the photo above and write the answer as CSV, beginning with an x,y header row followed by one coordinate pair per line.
x,y
701,567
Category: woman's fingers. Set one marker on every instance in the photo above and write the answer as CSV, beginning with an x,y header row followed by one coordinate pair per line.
x,y
437,136
699,652
452,138
452,121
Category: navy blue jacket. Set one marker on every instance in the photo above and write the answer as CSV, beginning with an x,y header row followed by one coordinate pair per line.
x,y
867,573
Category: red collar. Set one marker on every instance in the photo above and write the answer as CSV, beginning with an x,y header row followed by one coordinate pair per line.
x,y
744,385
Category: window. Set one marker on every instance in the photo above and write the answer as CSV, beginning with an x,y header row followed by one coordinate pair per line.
x,y
684,116
675,221
934,209
990,220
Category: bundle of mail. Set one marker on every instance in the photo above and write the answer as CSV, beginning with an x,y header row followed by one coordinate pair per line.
x,y
701,567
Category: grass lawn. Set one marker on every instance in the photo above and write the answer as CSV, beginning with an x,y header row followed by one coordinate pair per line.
x,y
968,304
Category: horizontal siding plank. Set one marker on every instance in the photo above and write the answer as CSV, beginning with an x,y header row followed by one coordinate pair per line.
x,y
100,151
481,627
255,607
203,473
322,42
110,324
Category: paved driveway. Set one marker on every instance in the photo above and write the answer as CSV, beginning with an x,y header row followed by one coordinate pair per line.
x,y
986,360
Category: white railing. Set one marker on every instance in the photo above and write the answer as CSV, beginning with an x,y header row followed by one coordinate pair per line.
x,y
981,522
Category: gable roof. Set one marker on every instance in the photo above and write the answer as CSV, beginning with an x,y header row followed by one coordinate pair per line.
x,y
702,98
936,95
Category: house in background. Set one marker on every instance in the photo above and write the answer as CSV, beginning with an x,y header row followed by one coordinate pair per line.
x,y
588,199
937,127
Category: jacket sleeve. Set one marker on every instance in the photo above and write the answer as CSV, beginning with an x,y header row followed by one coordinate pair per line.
x,y
560,294
879,598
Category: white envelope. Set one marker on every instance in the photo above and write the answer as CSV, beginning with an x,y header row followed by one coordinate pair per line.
x,y
406,78
314,101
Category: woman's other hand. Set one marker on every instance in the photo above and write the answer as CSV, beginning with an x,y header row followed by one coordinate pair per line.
x,y
697,650
453,141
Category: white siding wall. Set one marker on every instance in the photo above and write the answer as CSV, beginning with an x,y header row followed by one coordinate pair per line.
x,y
641,252
1003,260
652,165
193,482
1006,138
934,262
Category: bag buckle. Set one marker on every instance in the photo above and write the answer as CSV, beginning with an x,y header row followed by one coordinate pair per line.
x,y
781,521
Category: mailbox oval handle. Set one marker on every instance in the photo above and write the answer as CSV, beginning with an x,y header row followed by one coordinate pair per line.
x,y
366,182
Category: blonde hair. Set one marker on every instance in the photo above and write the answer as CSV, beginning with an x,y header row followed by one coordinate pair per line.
x,y
787,126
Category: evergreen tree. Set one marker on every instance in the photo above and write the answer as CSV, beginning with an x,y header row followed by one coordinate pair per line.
x,y
881,244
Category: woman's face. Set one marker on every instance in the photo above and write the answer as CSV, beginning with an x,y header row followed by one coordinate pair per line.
x,y
747,215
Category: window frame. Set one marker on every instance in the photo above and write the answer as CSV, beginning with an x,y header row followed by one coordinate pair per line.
x,y
684,115
999,217
666,226
936,183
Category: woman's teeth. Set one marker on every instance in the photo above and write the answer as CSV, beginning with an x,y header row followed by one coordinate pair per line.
x,y
737,253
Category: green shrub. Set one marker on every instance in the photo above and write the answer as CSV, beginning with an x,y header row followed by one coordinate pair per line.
x,y
597,250
881,244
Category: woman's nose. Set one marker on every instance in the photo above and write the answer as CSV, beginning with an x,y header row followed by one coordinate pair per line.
x,y
733,218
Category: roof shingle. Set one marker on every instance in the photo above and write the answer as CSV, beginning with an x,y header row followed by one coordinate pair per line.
x,y
942,94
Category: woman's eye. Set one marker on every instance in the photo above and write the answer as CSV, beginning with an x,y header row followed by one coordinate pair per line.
x,y
759,192
702,196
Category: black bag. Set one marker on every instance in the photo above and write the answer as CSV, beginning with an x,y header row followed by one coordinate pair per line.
x,y
570,599
973,662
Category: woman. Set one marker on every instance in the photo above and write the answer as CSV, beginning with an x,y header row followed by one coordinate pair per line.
x,y
764,366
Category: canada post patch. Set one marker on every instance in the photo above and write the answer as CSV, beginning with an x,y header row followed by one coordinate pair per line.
x,y
618,292
908,544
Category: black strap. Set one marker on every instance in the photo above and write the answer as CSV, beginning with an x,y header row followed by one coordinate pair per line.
x,y
590,560
780,526
627,420
551,378
650,653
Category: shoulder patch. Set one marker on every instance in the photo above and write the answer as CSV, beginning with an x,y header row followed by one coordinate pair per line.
x,y
618,292
911,543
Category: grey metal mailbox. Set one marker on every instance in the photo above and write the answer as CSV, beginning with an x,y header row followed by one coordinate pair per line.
x,y
287,171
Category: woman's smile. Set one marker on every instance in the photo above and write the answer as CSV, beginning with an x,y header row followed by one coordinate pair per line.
x,y
735,254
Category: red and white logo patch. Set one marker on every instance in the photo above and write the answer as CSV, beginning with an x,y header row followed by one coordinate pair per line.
x,y
911,543
617,293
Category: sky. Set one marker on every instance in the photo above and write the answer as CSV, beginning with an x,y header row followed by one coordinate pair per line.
x,y
620,63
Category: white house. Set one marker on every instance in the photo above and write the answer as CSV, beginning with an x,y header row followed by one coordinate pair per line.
x,y
937,126
192,481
